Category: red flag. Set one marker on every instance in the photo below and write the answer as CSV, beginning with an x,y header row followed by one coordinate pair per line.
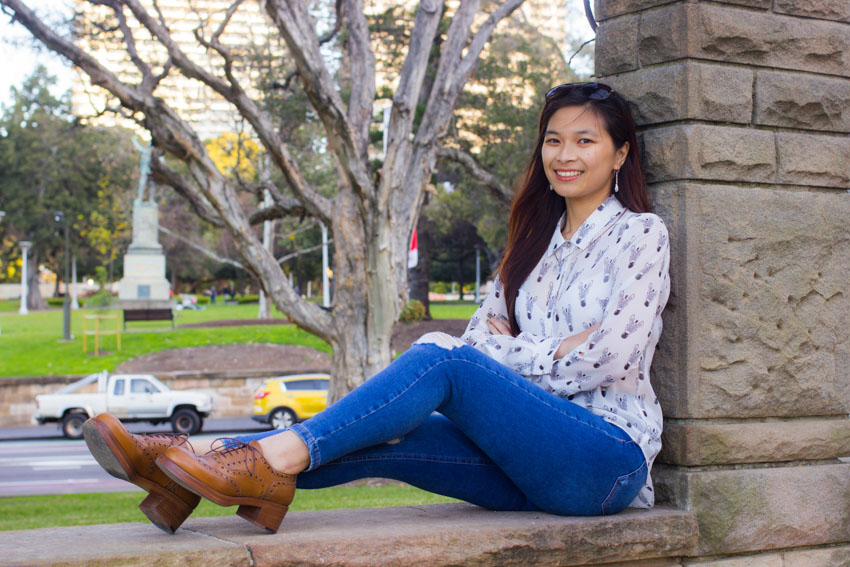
x,y
413,253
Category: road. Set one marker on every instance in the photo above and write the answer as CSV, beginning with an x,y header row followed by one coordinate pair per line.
x,y
37,460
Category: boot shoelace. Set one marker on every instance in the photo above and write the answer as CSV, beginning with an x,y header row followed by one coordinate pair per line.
x,y
176,439
230,445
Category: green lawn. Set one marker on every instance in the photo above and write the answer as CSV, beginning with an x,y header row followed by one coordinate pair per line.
x,y
23,513
453,309
31,345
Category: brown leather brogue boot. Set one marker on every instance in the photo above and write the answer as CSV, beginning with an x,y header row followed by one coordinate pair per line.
x,y
235,474
133,458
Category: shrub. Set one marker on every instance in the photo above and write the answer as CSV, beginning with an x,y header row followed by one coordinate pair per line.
x,y
55,301
203,300
248,299
439,287
413,311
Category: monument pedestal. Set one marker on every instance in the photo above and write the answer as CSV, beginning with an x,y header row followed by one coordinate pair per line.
x,y
144,277
144,285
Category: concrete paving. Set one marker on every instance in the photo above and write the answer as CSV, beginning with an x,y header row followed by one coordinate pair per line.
x,y
435,535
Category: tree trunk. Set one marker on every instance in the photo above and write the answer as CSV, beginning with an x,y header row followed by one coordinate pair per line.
x,y
366,299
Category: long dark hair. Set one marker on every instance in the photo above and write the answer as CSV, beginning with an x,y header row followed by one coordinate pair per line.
x,y
536,209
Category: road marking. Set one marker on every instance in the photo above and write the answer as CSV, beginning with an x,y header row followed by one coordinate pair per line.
x,y
48,462
49,482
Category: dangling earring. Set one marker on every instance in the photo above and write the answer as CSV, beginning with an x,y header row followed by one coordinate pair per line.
x,y
550,187
616,180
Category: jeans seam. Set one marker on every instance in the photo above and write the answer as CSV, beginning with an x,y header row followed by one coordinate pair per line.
x,y
412,457
617,484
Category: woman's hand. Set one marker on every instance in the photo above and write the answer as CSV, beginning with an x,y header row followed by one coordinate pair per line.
x,y
568,344
498,326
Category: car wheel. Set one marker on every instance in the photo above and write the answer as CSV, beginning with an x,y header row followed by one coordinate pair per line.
x,y
72,425
282,418
185,421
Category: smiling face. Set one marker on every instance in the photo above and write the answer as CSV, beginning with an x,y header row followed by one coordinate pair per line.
x,y
579,157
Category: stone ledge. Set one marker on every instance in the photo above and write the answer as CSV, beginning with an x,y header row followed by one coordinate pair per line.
x,y
439,534
703,442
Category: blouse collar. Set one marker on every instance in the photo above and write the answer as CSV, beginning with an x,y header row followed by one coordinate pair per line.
x,y
589,229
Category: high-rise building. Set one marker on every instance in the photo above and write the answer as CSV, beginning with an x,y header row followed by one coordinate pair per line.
x,y
249,34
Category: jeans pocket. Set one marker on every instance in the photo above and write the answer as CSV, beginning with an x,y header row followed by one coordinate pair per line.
x,y
624,491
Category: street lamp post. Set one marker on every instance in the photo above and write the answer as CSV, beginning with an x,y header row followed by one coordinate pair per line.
x,y
25,248
59,217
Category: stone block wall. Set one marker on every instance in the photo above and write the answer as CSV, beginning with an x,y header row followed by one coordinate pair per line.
x,y
744,115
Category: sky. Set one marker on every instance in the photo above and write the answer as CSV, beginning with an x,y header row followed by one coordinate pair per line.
x,y
20,58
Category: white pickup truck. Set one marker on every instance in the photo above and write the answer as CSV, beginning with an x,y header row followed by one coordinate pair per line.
x,y
129,397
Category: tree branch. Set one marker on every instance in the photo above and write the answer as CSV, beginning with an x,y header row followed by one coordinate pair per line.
x,y
454,69
164,175
199,248
100,76
362,63
283,259
409,89
317,204
482,36
296,27
289,207
338,9
215,44
490,181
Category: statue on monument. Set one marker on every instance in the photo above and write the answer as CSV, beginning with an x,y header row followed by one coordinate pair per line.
x,y
145,213
145,152
144,263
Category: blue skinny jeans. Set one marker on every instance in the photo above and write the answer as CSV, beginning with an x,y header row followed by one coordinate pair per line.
x,y
498,441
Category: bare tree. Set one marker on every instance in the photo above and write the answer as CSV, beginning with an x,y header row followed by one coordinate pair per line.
x,y
371,217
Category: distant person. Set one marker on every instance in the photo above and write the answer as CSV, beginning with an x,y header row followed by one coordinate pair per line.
x,y
213,292
544,403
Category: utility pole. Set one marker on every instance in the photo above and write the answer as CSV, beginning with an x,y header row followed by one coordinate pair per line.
x,y
59,217
326,288
75,304
265,312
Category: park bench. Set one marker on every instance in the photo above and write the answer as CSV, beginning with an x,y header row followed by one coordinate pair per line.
x,y
148,315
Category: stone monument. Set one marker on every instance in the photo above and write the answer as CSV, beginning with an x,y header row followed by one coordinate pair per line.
x,y
144,285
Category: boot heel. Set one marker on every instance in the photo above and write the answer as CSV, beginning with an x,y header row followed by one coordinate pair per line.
x,y
166,513
268,516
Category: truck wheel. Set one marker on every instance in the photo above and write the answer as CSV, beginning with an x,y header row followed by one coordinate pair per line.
x,y
72,425
186,421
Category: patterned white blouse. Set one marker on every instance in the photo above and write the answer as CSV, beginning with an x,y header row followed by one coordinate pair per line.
x,y
613,270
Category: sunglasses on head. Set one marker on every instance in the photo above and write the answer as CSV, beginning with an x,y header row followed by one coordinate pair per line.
x,y
593,91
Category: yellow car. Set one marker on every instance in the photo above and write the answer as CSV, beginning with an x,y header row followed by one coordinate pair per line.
x,y
286,400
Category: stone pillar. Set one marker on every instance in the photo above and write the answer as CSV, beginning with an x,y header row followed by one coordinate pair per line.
x,y
744,111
